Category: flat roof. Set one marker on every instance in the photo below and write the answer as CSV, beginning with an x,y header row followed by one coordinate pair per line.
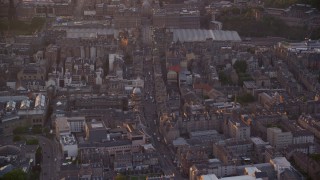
x,y
245,177
258,140
106,144
196,35
281,161
250,84
209,177
203,133
90,32
62,124
68,139
12,98
95,125
179,142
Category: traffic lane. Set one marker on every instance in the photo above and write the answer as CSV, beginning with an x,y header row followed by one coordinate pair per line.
x,y
47,153
50,149
46,165
149,111
169,163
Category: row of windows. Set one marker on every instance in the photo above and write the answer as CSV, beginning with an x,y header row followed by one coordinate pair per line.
x,y
36,120
29,77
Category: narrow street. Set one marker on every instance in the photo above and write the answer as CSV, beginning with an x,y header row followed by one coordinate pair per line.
x,y
78,9
146,35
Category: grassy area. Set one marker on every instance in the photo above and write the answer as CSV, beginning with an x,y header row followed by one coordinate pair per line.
x,y
120,177
315,157
16,174
32,142
137,178
16,138
38,155
20,27
37,130
21,130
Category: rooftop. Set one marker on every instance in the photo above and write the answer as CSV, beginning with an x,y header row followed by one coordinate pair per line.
x,y
68,140
250,84
9,150
258,141
280,162
90,32
112,143
179,142
31,148
62,124
95,126
203,133
196,35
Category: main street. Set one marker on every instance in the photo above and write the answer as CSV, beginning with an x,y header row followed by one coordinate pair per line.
x,y
50,165
78,9
51,158
151,122
146,35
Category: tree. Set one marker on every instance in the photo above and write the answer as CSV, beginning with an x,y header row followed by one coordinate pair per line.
x,y
16,174
120,177
161,3
46,130
240,66
16,138
37,130
128,59
246,98
12,10
206,97
33,175
106,66
3,82
224,79
286,3
32,142
37,22
20,130
38,155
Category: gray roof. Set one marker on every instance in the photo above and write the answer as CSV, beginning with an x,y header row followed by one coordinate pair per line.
x,y
196,35
9,150
105,144
5,99
90,32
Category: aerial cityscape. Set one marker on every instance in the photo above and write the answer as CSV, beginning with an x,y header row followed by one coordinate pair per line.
x,y
159,89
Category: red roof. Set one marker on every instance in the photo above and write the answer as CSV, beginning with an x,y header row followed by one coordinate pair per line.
x,y
205,87
175,68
